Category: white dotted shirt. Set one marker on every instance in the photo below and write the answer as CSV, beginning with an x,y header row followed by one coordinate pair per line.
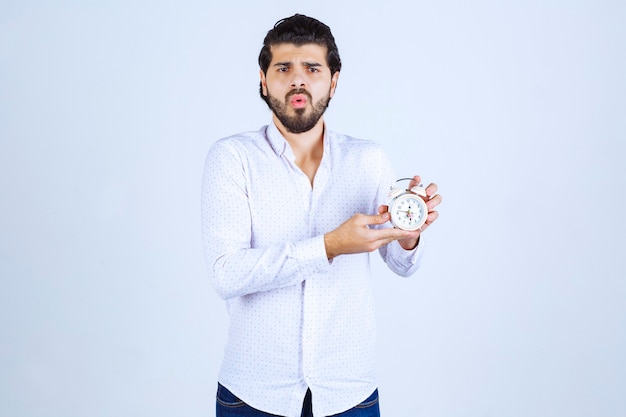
x,y
297,320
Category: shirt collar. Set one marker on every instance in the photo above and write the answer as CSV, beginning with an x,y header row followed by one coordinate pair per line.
x,y
276,140
280,145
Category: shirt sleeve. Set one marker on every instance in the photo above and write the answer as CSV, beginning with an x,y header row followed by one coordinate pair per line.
x,y
235,267
401,261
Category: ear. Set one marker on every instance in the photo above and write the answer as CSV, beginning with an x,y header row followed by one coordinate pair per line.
x,y
263,82
333,83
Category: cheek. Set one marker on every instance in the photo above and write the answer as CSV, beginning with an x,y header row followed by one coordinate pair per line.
x,y
275,87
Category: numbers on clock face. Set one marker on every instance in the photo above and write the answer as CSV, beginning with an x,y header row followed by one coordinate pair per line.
x,y
408,213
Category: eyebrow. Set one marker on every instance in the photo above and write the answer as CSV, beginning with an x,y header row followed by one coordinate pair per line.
x,y
289,64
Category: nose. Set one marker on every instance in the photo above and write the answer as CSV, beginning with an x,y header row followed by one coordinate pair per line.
x,y
298,80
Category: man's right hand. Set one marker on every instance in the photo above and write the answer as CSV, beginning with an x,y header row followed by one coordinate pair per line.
x,y
355,236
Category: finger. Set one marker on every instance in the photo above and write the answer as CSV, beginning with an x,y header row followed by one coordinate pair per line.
x,y
380,218
365,220
416,180
432,216
431,190
385,236
398,234
433,202
383,209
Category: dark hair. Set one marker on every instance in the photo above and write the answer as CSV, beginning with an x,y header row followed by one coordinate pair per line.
x,y
299,30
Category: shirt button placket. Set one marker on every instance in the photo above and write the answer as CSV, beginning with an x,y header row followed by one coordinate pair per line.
x,y
308,344
307,335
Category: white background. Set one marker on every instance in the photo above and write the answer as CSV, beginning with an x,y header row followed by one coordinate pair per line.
x,y
516,109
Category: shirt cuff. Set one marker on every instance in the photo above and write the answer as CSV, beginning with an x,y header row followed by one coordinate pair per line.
x,y
311,256
404,262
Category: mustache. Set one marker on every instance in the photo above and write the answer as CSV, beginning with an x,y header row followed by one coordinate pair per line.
x,y
298,91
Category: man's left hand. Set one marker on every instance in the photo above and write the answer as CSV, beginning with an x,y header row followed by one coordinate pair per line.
x,y
432,200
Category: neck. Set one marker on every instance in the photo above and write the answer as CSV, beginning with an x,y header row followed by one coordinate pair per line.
x,y
307,147
306,143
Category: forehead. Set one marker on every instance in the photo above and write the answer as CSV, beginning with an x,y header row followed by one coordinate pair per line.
x,y
289,52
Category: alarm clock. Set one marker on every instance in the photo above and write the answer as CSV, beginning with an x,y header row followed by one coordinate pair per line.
x,y
407,208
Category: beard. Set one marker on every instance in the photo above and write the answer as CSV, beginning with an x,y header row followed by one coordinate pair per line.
x,y
300,121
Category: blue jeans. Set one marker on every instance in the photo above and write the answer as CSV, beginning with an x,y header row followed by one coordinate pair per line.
x,y
228,404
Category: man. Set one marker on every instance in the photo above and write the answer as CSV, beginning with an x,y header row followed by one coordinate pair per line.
x,y
290,214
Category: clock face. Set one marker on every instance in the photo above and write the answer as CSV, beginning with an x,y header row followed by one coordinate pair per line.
x,y
408,212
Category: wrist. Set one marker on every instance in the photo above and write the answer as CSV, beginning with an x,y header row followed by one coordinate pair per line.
x,y
329,244
409,244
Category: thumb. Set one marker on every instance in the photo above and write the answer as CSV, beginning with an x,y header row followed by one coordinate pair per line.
x,y
379,218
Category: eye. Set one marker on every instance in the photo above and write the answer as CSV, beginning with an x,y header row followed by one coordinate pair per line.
x,y
283,69
314,69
